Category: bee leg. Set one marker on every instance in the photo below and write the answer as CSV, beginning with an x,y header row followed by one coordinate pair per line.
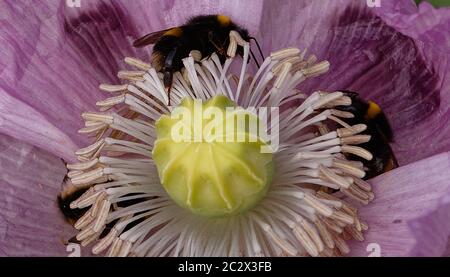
x,y
220,49
167,79
259,47
254,58
168,71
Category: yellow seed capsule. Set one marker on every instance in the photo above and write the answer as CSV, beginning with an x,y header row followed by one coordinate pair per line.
x,y
209,161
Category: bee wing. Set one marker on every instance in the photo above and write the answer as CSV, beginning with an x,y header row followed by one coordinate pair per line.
x,y
149,38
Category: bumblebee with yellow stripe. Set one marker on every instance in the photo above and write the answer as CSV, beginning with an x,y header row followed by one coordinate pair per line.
x,y
207,34
378,127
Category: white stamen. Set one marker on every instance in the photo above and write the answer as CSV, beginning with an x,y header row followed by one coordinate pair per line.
x,y
295,218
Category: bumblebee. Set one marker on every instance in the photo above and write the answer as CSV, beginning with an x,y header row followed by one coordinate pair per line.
x,y
70,194
207,34
378,127
64,200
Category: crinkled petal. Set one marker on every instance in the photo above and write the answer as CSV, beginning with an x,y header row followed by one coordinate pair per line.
x,y
49,66
53,61
410,215
425,23
22,121
407,77
30,221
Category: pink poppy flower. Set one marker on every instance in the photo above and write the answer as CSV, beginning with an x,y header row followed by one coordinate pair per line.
x,y
54,57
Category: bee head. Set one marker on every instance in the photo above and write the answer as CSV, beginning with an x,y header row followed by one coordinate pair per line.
x,y
227,23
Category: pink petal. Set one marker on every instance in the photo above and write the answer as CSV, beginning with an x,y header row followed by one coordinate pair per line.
x,y
54,60
424,23
410,215
30,221
447,249
21,121
51,65
409,78
43,72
